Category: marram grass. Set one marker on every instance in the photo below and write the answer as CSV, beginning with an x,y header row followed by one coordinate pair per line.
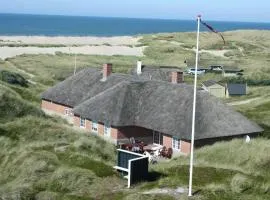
x,y
43,157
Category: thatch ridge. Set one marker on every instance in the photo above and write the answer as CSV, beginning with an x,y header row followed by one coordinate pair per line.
x,y
158,73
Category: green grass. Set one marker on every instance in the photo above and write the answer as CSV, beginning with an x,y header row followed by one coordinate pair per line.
x,y
38,154
48,69
174,48
225,170
12,106
43,157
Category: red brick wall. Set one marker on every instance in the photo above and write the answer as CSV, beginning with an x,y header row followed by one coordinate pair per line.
x,y
124,133
88,125
76,121
177,77
114,133
107,70
100,129
57,108
167,141
185,146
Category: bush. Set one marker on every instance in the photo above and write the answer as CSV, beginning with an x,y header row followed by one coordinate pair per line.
x,y
249,81
12,107
13,78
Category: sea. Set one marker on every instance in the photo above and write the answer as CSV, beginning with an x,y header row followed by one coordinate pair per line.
x,y
50,25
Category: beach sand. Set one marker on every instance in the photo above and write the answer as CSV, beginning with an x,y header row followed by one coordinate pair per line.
x,y
66,40
122,45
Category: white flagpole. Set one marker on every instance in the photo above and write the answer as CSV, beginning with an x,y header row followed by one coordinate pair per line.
x,y
194,110
75,64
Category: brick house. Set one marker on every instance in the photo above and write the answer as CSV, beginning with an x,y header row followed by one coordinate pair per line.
x,y
120,106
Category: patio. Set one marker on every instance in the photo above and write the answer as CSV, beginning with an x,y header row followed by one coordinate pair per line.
x,y
153,151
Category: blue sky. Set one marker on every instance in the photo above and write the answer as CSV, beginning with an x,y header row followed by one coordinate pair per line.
x,y
226,10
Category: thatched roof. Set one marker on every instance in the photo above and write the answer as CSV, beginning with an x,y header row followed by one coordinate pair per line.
x,y
165,107
84,85
88,83
161,73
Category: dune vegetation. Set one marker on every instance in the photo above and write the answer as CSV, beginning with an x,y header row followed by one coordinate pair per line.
x,y
44,157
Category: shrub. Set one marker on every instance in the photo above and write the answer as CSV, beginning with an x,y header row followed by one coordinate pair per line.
x,y
249,81
13,78
12,107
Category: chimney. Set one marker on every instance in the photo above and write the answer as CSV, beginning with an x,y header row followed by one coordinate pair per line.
x,y
107,70
177,77
139,67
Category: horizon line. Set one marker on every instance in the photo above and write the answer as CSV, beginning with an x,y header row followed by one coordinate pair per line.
x,y
119,17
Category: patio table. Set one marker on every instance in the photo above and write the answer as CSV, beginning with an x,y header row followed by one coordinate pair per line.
x,y
152,147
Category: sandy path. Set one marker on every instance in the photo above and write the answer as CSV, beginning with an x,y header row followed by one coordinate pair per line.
x,y
243,102
168,191
219,53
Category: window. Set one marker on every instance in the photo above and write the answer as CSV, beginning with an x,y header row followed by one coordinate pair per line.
x,y
82,122
157,138
107,130
176,143
68,112
94,126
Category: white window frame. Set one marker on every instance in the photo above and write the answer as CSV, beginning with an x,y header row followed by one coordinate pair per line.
x,y
176,144
107,130
94,127
68,111
160,137
82,122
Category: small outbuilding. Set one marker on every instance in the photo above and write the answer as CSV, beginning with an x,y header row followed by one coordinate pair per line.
x,y
236,89
214,88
